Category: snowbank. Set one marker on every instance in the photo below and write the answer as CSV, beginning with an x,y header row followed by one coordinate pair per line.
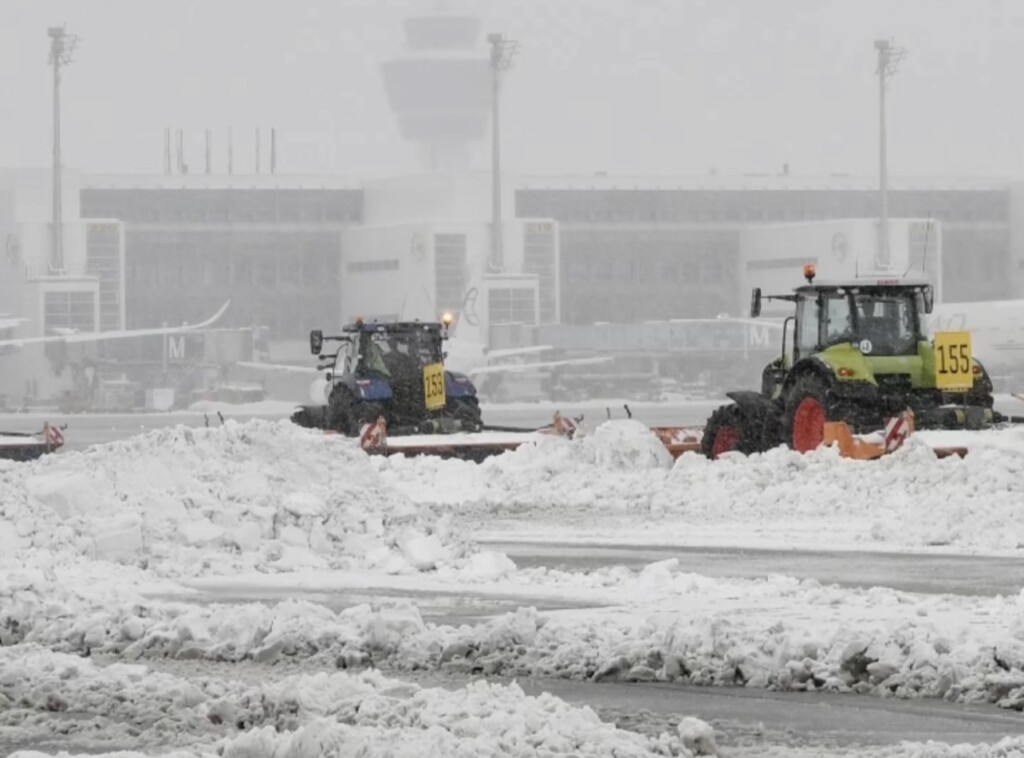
x,y
339,714
607,487
93,544
664,625
257,496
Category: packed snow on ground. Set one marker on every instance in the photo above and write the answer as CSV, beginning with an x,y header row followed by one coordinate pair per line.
x,y
103,552
282,408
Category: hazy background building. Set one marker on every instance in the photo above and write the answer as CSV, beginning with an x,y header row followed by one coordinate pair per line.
x,y
269,218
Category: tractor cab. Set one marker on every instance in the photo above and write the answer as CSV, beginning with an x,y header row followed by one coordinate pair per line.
x,y
391,352
861,328
878,318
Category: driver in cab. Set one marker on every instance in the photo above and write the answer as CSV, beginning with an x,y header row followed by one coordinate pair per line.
x,y
371,356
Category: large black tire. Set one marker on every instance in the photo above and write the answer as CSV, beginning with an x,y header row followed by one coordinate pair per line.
x,y
980,395
466,410
310,416
806,413
367,413
347,414
740,429
339,416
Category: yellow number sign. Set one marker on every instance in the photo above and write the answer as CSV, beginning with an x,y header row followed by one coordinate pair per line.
x,y
433,386
954,369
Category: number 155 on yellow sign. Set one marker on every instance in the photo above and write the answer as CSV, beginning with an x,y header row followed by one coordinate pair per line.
x,y
954,367
433,386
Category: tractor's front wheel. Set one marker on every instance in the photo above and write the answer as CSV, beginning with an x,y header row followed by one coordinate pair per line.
x,y
347,414
340,412
805,414
732,428
467,411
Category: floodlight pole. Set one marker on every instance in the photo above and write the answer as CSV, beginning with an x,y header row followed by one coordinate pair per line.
x,y
61,47
502,51
889,58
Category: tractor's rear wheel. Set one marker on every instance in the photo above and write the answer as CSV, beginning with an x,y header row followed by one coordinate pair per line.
x,y
806,414
347,414
732,428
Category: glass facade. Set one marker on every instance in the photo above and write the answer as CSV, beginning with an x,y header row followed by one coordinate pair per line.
x,y
450,270
68,310
539,257
622,255
511,305
224,206
644,273
646,254
103,260
275,253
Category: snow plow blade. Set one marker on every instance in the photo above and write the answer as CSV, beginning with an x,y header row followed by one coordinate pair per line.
x,y
865,448
490,441
468,446
838,434
28,446
679,439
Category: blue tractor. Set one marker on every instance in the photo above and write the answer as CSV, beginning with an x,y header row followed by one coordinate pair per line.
x,y
393,370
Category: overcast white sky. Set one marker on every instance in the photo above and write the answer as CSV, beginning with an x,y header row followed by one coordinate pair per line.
x,y
652,87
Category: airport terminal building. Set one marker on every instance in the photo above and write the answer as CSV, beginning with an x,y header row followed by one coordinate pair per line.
x,y
602,248
297,253
606,261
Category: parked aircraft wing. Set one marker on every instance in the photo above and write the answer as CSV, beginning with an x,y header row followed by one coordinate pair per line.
x,y
513,352
80,337
287,368
767,323
9,322
512,368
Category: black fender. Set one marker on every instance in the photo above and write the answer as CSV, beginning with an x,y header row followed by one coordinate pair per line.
x,y
760,417
814,366
457,384
982,385
750,400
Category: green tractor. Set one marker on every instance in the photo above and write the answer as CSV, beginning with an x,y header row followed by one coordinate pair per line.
x,y
860,355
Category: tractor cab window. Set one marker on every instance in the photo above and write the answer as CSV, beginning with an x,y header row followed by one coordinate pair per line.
x,y
807,316
372,353
839,325
426,347
404,354
888,322
347,358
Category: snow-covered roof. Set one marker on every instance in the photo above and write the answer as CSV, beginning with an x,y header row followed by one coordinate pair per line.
x,y
735,182
202,181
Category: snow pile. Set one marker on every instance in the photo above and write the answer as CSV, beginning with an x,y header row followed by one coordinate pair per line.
x,y
908,499
613,446
261,495
340,714
667,626
182,504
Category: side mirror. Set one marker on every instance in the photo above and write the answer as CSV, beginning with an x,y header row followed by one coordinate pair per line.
x,y
316,341
755,302
929,299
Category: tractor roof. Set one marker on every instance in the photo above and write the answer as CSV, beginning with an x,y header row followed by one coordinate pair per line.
x,y
873,283
393,327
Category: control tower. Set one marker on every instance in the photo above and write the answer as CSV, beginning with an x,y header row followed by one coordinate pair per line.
x,y
440,89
